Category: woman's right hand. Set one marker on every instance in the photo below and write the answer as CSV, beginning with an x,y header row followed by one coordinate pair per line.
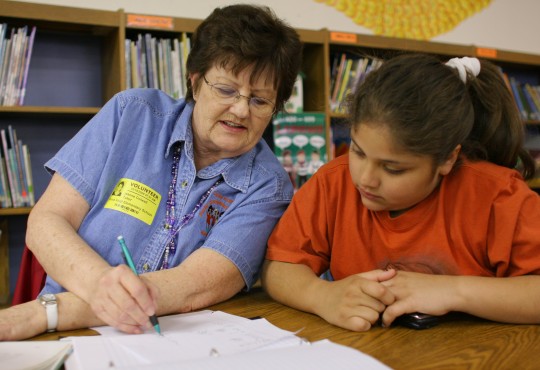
x,y
356,302
124,300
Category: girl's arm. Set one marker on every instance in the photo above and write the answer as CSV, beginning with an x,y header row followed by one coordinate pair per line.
x,y
510,299
353,303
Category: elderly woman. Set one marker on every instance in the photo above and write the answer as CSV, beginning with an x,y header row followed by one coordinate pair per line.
x,y
201,190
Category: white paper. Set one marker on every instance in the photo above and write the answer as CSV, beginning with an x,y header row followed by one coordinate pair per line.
x,y
33,354
318,355
211,340
186,337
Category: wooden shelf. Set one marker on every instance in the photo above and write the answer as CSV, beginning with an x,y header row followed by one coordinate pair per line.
x,y
15,211
50,110
41,13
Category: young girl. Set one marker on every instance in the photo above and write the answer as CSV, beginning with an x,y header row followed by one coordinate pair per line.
x,y
425,214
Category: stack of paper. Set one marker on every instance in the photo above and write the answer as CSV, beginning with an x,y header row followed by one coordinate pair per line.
x,y
211,340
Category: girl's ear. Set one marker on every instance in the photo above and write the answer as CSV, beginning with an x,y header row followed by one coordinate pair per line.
x,y
446,167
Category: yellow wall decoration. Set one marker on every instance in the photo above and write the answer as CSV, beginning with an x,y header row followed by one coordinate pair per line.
x,y
412,19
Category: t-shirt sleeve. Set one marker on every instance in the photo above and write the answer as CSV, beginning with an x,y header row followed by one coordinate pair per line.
x,y
515,222
242,235
81,160
301,235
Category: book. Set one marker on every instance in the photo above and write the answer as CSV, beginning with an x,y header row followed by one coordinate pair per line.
x,y
300,144
344,82
127,56
5,194
338,78
157,63
519,99
533,111
534,98
34,355
28,173
15,56
27,65
15,172
16,143
295,104
9,168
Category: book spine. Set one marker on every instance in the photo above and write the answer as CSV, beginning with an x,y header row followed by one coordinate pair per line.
x,y
341,95
176,69
337,83
8,202
533,112
3,187
10,175
127,56
517,98
20,171
27,65
5,69
534,101
135,82
28,172
186,48
16,189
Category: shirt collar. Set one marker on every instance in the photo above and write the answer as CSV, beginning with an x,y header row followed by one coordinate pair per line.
x,y
236,171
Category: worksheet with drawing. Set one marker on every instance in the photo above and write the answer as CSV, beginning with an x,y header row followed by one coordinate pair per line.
x,y
207,340
185,337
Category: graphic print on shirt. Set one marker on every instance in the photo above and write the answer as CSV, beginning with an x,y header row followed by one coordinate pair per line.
x,y
135,199
213,210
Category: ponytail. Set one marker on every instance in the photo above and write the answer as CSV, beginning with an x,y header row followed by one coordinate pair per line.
x,y
498,131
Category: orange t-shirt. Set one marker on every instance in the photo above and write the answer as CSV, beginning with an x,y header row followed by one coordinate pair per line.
x,y
482,220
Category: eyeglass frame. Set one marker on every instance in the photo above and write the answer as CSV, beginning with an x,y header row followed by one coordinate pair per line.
x,y
236,98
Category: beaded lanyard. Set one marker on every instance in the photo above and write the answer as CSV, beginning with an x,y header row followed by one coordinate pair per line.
x,y
170,221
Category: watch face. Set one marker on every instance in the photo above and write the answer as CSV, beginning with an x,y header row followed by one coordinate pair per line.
x,y
48,299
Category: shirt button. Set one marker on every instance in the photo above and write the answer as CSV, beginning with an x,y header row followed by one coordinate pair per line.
x,y
146,267
184,184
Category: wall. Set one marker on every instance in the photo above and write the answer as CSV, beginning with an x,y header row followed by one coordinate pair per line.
x,y
504,24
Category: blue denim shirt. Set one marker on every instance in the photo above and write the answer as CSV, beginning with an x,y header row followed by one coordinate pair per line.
x,y
131,141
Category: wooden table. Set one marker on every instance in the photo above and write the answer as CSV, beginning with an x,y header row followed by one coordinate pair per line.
x,y
463,344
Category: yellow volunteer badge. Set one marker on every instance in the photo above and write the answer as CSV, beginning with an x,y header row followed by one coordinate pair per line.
x,y
135,199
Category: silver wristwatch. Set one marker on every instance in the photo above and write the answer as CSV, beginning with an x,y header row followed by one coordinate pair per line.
x,y
49,302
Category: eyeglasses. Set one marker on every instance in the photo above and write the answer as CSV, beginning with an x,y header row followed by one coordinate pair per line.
x,y
260,107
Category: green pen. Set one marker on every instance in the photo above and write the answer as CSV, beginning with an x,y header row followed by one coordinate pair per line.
x,y
153,318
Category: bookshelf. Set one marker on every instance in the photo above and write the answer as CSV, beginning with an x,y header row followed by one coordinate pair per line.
x,y
314,65
74,69
525,68
78,64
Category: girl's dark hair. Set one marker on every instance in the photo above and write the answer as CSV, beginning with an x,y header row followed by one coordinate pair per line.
x,y
430,111
239,36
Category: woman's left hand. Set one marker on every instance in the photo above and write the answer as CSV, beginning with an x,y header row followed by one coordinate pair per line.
x,y
22,321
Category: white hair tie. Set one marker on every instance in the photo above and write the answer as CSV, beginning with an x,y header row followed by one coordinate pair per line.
x,y
463,65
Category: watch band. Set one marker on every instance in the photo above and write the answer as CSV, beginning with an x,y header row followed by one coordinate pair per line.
x,y
51,308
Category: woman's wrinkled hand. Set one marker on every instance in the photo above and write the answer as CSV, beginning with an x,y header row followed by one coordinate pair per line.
x,y
124,300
